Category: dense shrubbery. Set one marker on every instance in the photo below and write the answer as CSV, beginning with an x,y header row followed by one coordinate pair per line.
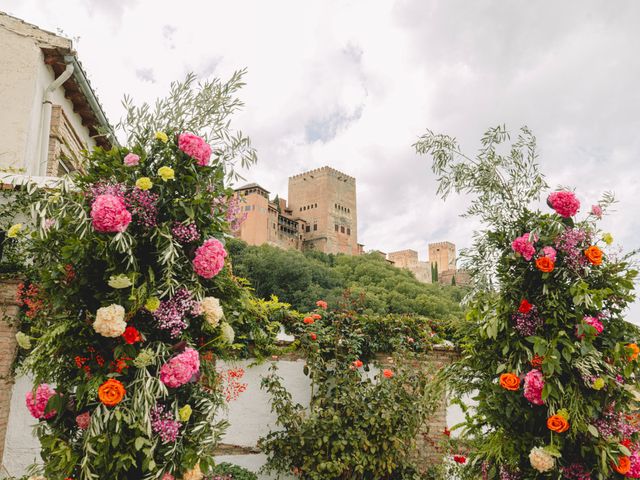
x,y
358,426
301,278
228,471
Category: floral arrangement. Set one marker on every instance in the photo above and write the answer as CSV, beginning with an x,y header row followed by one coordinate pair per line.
x,y
128,297
546,353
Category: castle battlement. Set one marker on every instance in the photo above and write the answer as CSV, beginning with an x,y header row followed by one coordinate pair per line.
x,y
324,170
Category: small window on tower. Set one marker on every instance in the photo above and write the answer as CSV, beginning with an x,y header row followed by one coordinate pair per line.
x,y
341,229
348,231
336,225
308,229
315,227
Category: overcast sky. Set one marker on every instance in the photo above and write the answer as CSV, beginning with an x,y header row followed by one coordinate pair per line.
x,y
352,84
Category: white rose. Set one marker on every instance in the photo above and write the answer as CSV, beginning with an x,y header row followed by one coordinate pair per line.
x,y
110,321
541,460
119,281
228,335
212,310
194,474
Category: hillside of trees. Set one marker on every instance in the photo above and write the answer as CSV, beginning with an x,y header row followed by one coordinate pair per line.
x,y
302,278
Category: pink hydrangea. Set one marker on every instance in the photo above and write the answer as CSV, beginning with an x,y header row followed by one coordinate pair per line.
x,y
195,147
596,211
38,404
83,420
209,258
180,369
168,476
533,385
131,160
524,247
564,203
549,252
109,214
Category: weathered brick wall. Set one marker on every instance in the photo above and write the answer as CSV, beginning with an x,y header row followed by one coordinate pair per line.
x,y
9,312
431,435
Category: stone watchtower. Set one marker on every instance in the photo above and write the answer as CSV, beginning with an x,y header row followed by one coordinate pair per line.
x,y
443,254
326,200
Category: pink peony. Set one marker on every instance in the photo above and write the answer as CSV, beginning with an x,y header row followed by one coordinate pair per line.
x,y
38,404
195,147
131,160
109,214
595,323
524,247
564,203
596,211
180,369
533,385
209,258
83,420
549,252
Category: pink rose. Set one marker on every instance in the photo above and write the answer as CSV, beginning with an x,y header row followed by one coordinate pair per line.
x,y
109,214
550,253
533,385
195,147
38,404
596,211
524,247
83,420
131,160
594,322
564,203
209,258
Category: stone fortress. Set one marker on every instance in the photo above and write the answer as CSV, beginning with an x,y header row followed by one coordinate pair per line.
x,y
321,214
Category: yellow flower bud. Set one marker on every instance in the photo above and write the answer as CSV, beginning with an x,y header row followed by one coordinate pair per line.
x,y
144,183
166,173
152,304
14,230
608,238
162,137
185,413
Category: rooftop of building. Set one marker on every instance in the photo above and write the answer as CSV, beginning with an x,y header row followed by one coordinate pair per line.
x,y
327,170
58,53
251,185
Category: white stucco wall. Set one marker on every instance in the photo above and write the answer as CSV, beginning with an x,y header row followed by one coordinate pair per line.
x,y
250,416
23,81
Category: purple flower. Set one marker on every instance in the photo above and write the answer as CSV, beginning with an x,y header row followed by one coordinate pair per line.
x,y
527,324
170,314
164,423
185,233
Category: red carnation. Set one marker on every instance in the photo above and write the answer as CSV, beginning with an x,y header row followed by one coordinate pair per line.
x,y
131,335
313,336
525,306
460,459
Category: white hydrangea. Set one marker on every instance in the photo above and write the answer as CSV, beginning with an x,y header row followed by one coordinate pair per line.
x,y
194,474
228,335
24,340
541,460
212,310
37,477
119,281
110,321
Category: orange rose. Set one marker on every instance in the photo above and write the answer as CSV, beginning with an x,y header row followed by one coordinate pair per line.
x,y
623,466
557,423
594,255
545,264
635,351
509,381
111,392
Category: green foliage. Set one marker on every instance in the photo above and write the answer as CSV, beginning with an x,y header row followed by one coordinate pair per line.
x,y
302,278
194,106
570,353
359,425
72,270
228,471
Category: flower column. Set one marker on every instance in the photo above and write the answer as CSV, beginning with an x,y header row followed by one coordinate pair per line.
x,y
9,311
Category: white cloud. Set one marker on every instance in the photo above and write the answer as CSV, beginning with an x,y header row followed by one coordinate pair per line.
x,y
353,83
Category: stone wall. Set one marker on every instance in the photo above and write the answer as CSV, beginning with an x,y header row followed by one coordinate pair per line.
x,y
9,311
